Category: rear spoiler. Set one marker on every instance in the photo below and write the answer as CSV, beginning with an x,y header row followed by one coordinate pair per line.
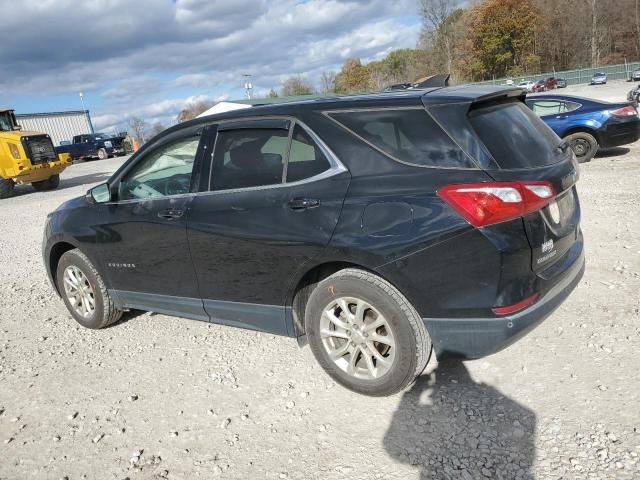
x,y
474,94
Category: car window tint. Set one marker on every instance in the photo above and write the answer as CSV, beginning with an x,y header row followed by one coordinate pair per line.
x,y
305,158
162,172
552,107
410,136
249,158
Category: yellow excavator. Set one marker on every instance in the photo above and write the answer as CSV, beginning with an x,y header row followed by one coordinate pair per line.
x,y
27,157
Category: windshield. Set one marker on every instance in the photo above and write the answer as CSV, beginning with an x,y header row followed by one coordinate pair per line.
x,y
6,124
101,136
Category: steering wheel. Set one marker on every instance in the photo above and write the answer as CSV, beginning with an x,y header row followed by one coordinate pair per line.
x,y
174,187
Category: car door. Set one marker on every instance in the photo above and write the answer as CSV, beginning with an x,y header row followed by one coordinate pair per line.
x,y
275,194
141,235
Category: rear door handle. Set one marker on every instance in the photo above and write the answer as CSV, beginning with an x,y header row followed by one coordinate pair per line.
x,y
303,203
171,213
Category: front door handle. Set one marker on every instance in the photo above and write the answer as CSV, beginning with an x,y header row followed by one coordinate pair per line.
x,y
303,203
171,213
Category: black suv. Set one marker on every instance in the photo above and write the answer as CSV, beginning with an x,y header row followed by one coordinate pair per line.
x,y
377,228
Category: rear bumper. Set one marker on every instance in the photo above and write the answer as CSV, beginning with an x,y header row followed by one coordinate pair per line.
x,y
478,337
39,172
617,133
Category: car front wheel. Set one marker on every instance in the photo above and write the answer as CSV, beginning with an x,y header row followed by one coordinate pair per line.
x,y
102,154
84,292
365,334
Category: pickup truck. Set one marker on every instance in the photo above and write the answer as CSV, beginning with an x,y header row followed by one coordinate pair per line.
x,y
93,145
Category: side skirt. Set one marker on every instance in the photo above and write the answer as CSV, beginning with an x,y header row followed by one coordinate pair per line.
x,y
253,316
175,306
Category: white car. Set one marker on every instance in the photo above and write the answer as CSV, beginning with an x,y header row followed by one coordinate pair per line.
x,y
528,86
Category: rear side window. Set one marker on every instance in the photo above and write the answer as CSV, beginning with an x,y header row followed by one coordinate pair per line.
x,y
305,159
249,158
410,136
552,107
515,136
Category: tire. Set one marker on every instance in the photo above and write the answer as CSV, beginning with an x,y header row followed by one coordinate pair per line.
x,y
388,316
102,154
584,145
6,187
50,183
104,311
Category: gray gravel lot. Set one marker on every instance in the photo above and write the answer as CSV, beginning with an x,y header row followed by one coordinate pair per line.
x,y
160,397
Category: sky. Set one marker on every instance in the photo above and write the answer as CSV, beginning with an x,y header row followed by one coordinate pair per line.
x,y
150,58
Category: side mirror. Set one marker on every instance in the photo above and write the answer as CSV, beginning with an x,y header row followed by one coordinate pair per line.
x,y
99,194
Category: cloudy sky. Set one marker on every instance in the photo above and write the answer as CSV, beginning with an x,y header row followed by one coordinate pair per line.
x,y
149,57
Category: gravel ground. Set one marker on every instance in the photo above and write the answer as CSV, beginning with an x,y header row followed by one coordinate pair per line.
x,y
159,397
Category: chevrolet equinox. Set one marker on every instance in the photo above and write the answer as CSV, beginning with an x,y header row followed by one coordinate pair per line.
x,y
376,228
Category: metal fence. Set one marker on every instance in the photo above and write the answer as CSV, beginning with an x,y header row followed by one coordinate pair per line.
x,y
621,71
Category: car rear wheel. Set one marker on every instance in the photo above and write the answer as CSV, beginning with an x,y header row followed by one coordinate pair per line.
x,y
102,154
6,187
84,292
365,334
50,183
584,145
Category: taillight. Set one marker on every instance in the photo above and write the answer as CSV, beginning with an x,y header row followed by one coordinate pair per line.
x,y
483,204
628,111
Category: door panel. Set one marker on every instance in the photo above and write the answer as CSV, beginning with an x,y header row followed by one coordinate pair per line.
x,y
141,236
248,244
144,251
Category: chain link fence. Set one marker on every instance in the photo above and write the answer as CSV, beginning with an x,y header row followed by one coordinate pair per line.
x,y
621,71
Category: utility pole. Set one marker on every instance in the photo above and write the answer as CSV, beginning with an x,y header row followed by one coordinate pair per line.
x,y
86,113
248,86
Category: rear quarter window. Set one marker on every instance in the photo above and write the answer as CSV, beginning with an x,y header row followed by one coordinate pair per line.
x,y
515,136
407,135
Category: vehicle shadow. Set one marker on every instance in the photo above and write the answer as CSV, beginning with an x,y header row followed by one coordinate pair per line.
x,y
89,179
126,317
612,152
450,427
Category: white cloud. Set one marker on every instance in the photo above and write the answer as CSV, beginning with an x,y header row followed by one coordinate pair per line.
x,y
147,57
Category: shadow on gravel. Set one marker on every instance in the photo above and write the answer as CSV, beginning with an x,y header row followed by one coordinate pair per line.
x,y
65,182
450,427
126,317
612,152
90,179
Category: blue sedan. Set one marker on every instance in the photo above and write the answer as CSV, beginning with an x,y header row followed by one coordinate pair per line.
x,y
587,124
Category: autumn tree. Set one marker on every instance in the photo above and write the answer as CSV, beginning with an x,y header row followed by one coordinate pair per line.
x,y
192,110
501,38
296,85
353,77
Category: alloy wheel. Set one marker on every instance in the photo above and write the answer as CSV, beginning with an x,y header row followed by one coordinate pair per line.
x,y
79,291
358,338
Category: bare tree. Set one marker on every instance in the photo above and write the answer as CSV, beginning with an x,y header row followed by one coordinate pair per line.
x,y
296,85
435,15
138,127
328,82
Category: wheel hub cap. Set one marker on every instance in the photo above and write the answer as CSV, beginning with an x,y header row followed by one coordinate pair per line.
x,y
357,338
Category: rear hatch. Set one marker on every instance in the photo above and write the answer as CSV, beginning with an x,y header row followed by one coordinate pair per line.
x,y
512,144
525,149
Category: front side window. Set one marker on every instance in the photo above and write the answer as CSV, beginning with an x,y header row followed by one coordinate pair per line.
x,y
162,172
410,136
249,157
